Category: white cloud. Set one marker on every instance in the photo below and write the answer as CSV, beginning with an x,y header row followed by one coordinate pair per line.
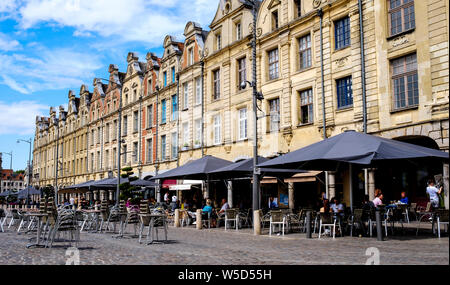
x,y
47,69
24,114
8,44
124,21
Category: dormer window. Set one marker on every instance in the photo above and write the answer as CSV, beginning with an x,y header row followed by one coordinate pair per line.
x,y
218,41
275,20
149,87
297,8
191,56
238,31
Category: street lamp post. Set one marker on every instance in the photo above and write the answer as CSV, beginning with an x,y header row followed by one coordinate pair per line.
x,y
29,166
253,6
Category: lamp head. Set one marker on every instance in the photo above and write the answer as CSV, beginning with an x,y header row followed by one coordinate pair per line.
x,y
243,85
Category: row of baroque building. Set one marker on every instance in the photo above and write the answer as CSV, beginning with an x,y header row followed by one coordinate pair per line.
x,y
190,102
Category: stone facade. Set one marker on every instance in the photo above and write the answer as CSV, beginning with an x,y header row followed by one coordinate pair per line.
x,y
212,114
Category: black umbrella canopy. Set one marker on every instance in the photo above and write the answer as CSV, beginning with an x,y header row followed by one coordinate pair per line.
x,y
244,169
197,170
355,148
81,185
112,182
22,194
7,193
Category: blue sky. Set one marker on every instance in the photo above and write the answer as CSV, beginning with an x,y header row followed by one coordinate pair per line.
x,y
48,47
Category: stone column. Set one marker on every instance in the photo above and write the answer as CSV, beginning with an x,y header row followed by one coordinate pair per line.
x,y
331,184
198,221
102,195
176,218
446,185
257,222
230,193
371,183
291,195
111,194
206,191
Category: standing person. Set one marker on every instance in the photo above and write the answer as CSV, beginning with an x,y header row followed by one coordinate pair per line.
x,y
166,197
433,193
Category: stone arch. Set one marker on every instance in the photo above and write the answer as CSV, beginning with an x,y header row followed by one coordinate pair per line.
x,y
434,131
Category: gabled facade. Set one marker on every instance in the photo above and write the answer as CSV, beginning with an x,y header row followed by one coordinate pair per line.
x,y
191,101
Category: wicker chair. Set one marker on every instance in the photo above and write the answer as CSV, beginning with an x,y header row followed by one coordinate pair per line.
x,y
277,218
232,216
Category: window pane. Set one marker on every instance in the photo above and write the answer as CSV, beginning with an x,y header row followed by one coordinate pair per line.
x,y
344,92
342,33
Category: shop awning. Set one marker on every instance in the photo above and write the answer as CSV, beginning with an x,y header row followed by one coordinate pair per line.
x,y
186,185
297,178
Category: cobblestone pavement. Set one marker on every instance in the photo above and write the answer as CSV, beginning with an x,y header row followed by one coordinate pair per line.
x,y
188,246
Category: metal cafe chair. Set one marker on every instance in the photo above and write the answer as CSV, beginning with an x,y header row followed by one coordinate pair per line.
x,y
277,218
441,219
232,216
327,220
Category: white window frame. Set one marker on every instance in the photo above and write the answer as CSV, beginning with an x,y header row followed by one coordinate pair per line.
x,y
217,130
242,126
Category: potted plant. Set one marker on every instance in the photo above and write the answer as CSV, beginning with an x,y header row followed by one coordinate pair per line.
x,y
185,146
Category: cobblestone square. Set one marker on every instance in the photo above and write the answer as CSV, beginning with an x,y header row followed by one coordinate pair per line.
x,y
188,246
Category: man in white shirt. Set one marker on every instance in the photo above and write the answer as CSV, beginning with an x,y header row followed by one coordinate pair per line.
x,y
433,193
72,201
225,206
337,207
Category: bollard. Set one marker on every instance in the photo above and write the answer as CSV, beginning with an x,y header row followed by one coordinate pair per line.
x,y
308,224
199,219
176,221
379,228
257,222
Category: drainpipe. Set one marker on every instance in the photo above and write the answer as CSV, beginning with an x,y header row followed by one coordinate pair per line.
x,y
158,188
178,120
363,67
363,84
203,105
140,129
320,14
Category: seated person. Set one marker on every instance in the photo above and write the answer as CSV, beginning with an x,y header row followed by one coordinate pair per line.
x,y
378,200
337,207
404,199
225,206
208,208
326,206
174,203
